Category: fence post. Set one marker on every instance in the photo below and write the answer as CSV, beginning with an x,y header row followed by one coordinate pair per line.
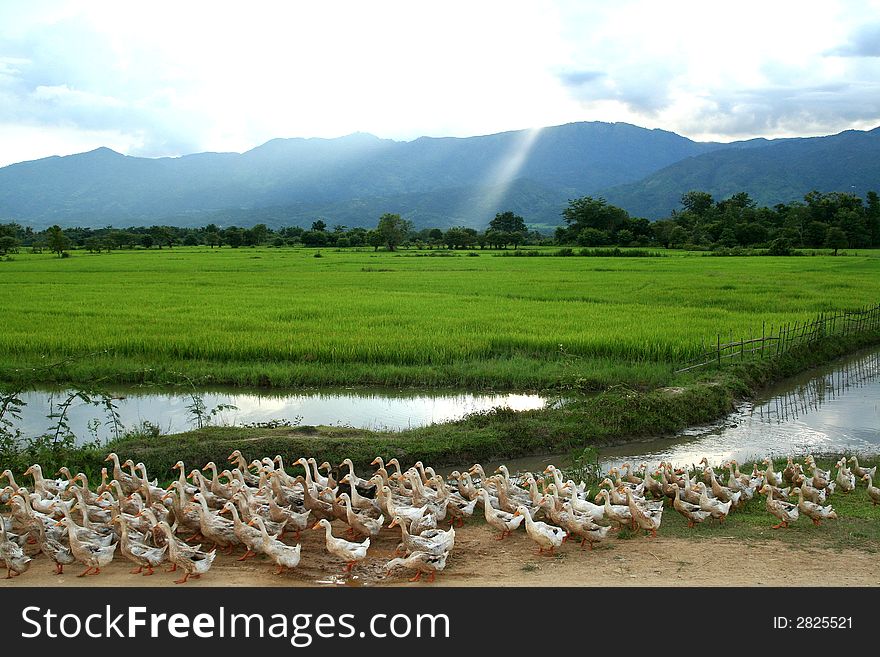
x,y
763,332
718,348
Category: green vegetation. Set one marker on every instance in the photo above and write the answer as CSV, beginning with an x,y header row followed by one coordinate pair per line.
x,y
834,221
281,317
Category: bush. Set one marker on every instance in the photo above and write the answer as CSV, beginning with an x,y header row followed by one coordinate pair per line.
x,y
780,247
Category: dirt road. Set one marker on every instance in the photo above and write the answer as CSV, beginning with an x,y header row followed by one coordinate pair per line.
x,y
479,560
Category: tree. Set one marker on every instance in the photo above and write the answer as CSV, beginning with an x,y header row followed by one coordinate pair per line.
x,y
393,230
589,212
8,244
815,234
592,237
314,238
697,202
678,236
505,226
319,226
58,241
835,239
233,236
374,239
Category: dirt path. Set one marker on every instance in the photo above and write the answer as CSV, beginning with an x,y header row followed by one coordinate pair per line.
x,y
479,560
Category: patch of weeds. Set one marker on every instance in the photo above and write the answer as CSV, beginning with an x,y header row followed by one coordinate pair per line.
x,y
626,533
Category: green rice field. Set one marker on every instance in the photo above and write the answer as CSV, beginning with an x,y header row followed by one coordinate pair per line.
x,y
284,317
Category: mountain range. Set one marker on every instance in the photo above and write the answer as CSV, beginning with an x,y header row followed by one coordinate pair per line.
x,y
439,182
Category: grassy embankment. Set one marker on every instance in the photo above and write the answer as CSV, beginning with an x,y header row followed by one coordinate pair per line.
x,y
283,317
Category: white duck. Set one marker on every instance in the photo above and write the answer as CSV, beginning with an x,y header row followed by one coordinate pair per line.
x,y
420,561
845,479
545,535
193,562
433,541
582,525
91,555
815,512
714,506
502,520
12,555
350,552
284,556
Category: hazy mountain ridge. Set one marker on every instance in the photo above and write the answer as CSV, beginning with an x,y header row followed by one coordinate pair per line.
x,y
433,181
778,172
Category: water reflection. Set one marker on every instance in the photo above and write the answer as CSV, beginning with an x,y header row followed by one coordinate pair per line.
x,y
171,411
832,409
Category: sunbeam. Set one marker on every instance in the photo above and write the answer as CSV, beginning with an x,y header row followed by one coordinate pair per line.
x,y
500,177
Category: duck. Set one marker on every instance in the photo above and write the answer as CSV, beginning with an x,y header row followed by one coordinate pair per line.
x,y
351,552
361,523
821,478
422,562
355,481
595,511
628,476
193,562
873,491
814,495
579,524
785,511
652,485
128,483
714,506
545,535
506,522
53,548
724,493
458,508
616,513
646,518
433,541
92,555
859,471
790,472
247,534
16,561
367,504
617,495
143,556
773,478
285,556
220,531
845,479
45,487
466,487
693,513
815,512
294,521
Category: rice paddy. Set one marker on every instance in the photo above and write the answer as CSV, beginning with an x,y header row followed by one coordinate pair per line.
x,y
284,317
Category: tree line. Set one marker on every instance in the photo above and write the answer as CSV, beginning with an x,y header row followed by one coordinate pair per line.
x,y
832,220
391,232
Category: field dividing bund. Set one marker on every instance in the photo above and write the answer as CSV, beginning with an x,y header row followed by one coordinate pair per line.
x,y
283,317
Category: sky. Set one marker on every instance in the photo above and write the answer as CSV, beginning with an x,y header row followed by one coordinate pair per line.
x,y
170,78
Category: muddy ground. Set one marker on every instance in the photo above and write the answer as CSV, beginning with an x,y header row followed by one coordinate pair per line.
x,y
480,560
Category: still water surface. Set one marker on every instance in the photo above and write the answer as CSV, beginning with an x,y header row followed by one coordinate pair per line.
x,y
360,408
833,409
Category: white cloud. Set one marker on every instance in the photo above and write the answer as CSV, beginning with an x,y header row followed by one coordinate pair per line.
x,y
169,78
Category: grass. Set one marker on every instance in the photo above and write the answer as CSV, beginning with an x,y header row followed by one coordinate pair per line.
x,y
279,317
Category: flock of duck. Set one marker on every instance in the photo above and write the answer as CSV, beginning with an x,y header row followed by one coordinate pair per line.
x,y
255,505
